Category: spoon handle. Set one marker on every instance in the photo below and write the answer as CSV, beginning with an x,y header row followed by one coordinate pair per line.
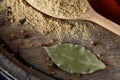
x,y
104,22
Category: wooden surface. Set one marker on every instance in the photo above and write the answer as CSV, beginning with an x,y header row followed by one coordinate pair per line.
x,y
9,65
13,55
26,45
103,43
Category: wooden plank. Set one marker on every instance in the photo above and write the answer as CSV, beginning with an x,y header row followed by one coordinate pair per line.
x,y
107,47
34,54
18,63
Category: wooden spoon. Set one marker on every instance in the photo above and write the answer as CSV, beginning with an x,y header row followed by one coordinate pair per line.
x,y
83,11
110,11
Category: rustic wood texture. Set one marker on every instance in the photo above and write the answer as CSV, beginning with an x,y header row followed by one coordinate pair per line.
x,y
102,43
28,45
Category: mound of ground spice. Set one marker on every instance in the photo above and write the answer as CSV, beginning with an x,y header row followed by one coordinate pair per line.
x,y
41,23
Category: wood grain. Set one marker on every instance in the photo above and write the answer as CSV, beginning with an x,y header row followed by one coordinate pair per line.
x,y
107,46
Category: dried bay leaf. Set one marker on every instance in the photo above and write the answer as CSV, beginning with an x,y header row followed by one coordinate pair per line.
x,y
74,58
